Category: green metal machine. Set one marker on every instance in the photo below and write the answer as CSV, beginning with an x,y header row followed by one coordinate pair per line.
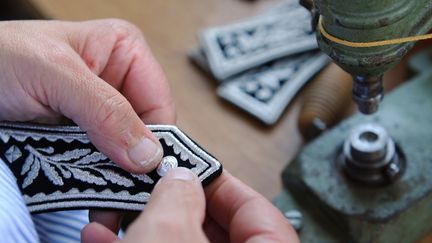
x,y
366,21
370,178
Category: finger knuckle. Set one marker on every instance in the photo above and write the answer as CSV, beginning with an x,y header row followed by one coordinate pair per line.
x,y
59,55
122,27
114,111
190,192
167,224
179,185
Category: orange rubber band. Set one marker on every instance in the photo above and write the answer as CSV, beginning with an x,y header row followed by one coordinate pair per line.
x,y
372,43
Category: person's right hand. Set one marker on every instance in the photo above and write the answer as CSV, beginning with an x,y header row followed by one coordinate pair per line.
x,y
101,74
177,211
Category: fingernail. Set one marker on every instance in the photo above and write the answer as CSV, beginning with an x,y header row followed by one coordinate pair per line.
x,y
145,152
179,173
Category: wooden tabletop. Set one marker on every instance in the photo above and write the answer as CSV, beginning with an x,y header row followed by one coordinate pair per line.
x,y
251,151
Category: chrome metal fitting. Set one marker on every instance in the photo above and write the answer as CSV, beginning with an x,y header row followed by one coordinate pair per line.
x,y
368,93
371,156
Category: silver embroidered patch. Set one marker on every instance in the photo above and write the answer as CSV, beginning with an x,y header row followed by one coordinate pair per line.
x,y
266,91
58,168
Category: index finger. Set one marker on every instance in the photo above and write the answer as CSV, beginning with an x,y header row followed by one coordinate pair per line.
x,y
245,214
125,61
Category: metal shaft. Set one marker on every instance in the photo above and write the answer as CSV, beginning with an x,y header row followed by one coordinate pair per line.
x,y
368,92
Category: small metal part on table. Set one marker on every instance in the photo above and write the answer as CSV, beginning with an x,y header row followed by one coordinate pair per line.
x,y
295,218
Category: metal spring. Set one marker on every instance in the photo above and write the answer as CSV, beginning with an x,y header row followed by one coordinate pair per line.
x,y
325,101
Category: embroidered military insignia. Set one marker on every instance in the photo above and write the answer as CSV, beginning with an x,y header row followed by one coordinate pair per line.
x,y
57,168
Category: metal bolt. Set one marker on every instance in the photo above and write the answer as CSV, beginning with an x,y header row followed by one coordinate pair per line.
x,y
368,93
370,155
393,169
295,218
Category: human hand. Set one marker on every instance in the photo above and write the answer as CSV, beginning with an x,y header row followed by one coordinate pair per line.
x,y
177,212
100,74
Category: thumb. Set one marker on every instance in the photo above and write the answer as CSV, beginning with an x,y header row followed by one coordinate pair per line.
x,y
175,212
110,122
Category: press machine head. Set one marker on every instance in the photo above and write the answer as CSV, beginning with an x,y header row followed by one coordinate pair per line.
x,y
367,21
368,179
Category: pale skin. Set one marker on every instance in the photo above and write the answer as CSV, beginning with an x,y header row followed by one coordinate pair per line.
x,y
102,75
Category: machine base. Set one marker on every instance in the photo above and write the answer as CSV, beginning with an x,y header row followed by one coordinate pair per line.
x,y
335,209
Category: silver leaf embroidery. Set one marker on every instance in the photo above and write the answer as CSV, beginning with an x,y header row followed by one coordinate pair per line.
x,y
66,174
48,150
85,165
144,178
34,172
80,164
69,155
52,174
116,178
85,176
91,158
27,164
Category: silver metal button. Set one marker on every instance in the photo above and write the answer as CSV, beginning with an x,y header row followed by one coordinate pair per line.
x,y
168,163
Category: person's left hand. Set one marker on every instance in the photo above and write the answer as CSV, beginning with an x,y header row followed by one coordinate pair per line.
x,y
177,209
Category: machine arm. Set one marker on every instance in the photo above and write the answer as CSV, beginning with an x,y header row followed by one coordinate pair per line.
x,y
366,21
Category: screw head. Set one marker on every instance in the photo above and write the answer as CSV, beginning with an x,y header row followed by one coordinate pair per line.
x,y
392,169
295,218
